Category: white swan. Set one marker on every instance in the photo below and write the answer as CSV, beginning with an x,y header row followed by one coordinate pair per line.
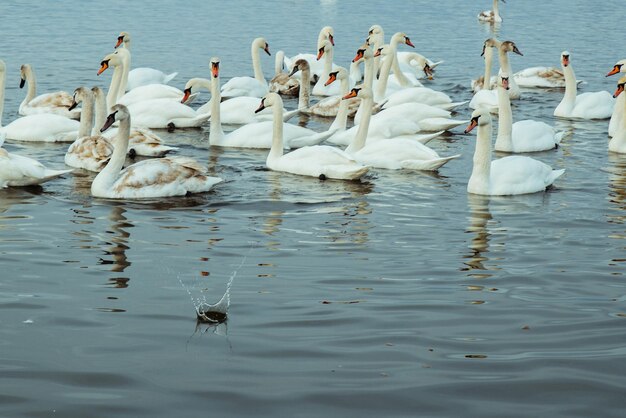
x,y
283,83
317,67
250,86
503,56
144,75
253,135
56,103
326,50
142,141
620,103
89,152
321,161
524,135
17,170
392,153
156,113
44,127
618,142
479,84
383,88
596,105
510,175
171,176
491,15
346,107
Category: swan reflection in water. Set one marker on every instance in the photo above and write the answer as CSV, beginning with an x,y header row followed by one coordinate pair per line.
x,y
118,244
617,198
479,217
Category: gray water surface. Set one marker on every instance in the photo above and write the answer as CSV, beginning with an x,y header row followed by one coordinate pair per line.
x,y
400,296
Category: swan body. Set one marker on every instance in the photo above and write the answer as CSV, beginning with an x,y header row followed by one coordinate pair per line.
x,y
319,161
250,86
258,134
142,141
422,95
142,76
620,103
510,175
56,103
166,114
393,153
618,141
150,92
524,135
596,105
283,83
492,16
17,170
170,176
89,152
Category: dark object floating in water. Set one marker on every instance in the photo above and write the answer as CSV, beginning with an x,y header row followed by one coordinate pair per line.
x,y
212,317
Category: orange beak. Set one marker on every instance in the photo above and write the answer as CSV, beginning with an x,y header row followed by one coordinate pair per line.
x,y
472,125
378,53
616,69
261,106
505,83
120,39
409,43
358,56
103,66
215,70
350,95
331,79
320,53
186,95
331,38
620,89
565,61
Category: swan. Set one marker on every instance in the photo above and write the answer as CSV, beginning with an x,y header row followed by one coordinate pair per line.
x,y
382,88
523,135
618,142
326,50
253,135
17,170
156,113
56,103
121,59
90,152
346,107
491,15
144,75
512,175
503,49
142,141
283,83
250,86
392,153
329,106
317,67
423,95
321,161
620,103
43,127
488,47
172,176
596,105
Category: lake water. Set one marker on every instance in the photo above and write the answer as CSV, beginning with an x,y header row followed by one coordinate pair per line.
x,y
400,296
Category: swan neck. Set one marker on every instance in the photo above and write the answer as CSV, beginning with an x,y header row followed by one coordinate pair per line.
x,y
304,95
479,180
216,133
621,101
106,178
570,86
341,120
277,134
368,80
496,11
125,72
504,139
381,87
100,112
402,79
328,59
278,63
358,142
32,86
114,87
86,116
256,63
488,64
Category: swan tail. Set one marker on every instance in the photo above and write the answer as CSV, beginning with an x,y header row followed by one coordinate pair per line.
x,y
311,139
435,64
152,150
439,124
558,137
3,136
427,165
191,98
451,106
426,138
555,174
51,174
341,172
169,77
290,114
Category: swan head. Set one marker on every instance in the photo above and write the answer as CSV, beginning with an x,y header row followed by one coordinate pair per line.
x,y
339,74
375,33
123,38
565,58
300,65
359,91
114,58
503,80
262,43
325,46
363,52
480,117
270,99
119,112
328,32
80,94
620,86
490,43
617,67
25,72
403,38
509,46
